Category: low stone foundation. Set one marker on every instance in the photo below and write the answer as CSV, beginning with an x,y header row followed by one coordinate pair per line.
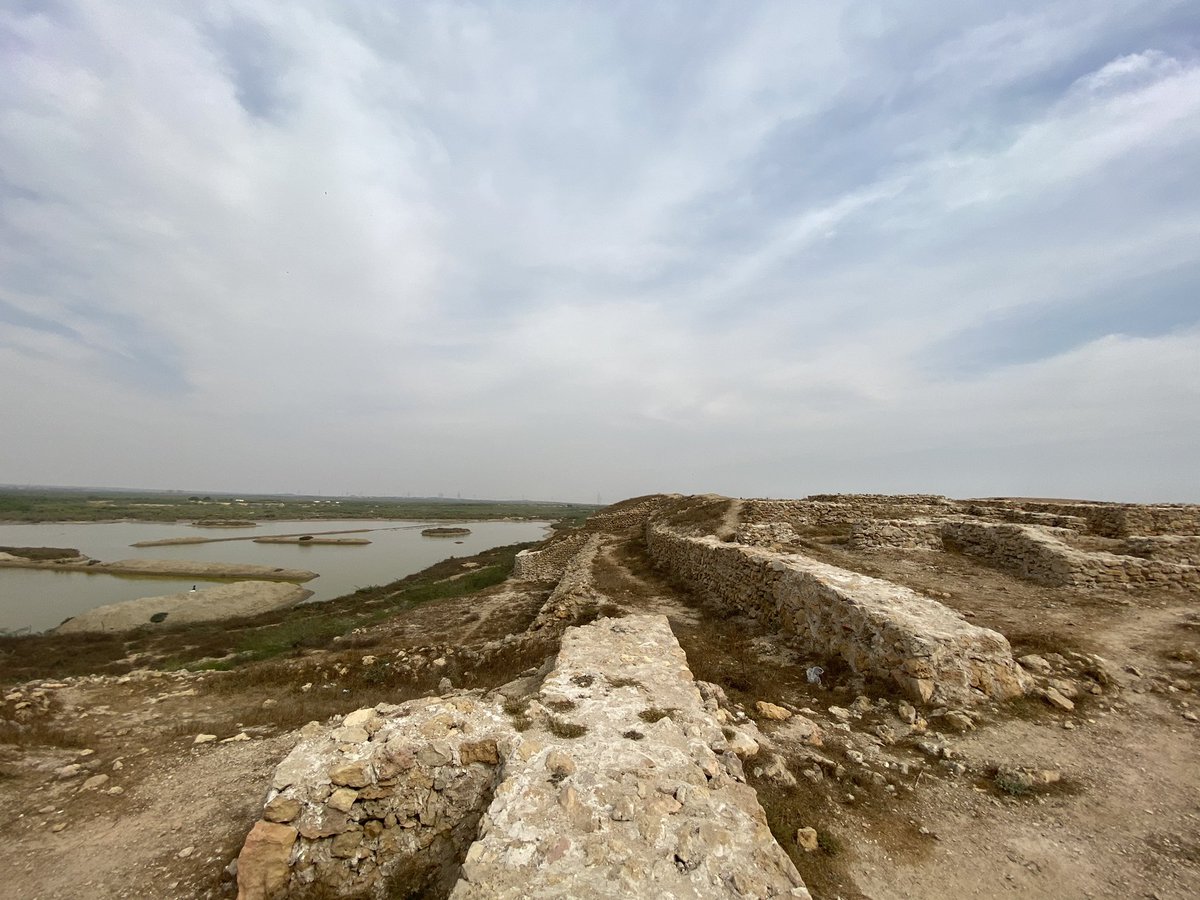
x,y
881,629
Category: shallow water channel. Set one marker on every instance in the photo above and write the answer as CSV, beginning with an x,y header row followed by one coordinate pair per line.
x,y
37,599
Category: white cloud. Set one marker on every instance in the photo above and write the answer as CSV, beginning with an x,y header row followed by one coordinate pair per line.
x,y
550,250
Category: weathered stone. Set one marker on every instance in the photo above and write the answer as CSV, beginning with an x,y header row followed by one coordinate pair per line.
x,y
342,799
262,872
771,711
1054,698
560,763
360,718
1035,663
346,844
96,781
479,752
354,774
958,721
281,809
807,840
742,745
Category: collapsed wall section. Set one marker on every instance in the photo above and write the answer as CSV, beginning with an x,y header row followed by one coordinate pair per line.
x,y
384,804
879,628
1179,549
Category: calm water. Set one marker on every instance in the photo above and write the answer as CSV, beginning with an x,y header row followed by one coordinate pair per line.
x,y
38,600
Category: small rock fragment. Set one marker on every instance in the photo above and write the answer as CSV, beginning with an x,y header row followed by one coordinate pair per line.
x,y
771,711
806,839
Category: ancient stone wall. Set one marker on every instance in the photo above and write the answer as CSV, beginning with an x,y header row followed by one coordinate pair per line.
x,y
392,795
619,783
895,534
574,591
1178,549
625,515
548,563
1014,514
766,534
881,629
1041,555
1119,520
842,509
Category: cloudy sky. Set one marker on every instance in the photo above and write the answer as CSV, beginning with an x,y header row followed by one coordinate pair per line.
x,y
561,250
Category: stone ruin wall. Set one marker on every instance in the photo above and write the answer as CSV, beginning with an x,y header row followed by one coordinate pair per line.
x,y
1178,549
895,534
562,790
880,629
1119,520
574,591
1026,517
841,509
626,517
1041,555
548,563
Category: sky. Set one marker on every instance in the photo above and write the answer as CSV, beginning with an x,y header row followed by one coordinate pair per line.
x,y
570,250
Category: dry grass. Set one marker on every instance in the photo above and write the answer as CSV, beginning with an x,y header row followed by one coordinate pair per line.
x,y
563,729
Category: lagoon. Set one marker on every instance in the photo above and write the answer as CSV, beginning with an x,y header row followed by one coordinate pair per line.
x,y
37,599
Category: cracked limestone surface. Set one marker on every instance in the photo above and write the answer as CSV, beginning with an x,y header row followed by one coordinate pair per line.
x,y
629,786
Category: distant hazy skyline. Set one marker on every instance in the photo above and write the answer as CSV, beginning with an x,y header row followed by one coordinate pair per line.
x,y
561,249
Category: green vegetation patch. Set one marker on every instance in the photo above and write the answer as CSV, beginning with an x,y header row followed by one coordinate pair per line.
x,y
21,505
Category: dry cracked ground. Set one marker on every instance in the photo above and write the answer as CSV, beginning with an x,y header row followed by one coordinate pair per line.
x,y
145,783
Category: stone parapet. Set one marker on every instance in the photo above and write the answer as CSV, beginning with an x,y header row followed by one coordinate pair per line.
x,y
879,628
